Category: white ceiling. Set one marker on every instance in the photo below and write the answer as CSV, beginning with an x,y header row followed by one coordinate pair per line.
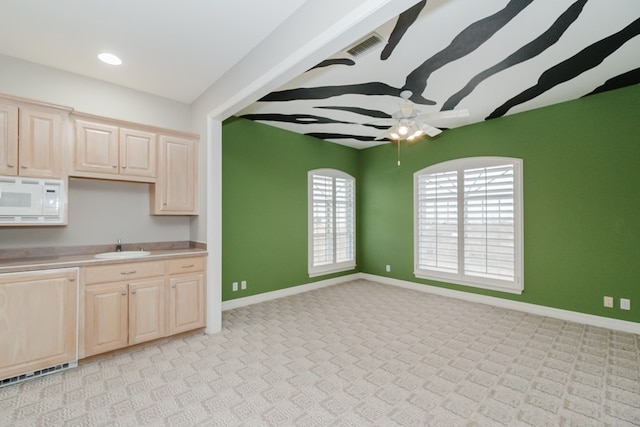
x,y
228,54
172,48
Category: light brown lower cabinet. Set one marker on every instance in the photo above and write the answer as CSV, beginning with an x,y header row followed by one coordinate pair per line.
x,y
106,311
146,310
38,315
122,314
186,294
151,303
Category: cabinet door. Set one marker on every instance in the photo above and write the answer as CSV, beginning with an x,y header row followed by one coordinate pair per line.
x,y
176,189
146,310
186,303
8,140
40,143
106,317
137,153
96,148
38,315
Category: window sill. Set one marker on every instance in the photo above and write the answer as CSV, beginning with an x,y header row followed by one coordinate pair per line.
x,y
511,288
331,270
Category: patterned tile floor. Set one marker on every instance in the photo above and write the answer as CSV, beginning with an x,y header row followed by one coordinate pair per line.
x,y
356,354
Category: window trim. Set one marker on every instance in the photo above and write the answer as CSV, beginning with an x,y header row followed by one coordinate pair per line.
x,y
460,165
335,267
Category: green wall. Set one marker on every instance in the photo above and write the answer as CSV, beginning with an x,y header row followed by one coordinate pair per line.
x,y
581,201
264,204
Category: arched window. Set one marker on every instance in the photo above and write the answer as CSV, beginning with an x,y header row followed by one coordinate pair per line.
x,y
468,223
332,221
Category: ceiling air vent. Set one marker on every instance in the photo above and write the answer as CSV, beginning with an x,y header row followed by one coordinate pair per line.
x,y
366,45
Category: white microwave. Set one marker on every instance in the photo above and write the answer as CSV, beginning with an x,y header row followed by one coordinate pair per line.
x,y
31,201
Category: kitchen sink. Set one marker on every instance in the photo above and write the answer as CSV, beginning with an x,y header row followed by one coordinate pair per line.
x,y
122,254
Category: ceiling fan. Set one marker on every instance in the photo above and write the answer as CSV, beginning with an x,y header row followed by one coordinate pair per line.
x,y
409,124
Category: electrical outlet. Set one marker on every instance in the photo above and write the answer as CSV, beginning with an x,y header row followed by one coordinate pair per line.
x,y
625,304
388,268
234,287
243,285
608,302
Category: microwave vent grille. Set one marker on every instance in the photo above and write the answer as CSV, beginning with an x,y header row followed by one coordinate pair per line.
x,y
23,219
29,181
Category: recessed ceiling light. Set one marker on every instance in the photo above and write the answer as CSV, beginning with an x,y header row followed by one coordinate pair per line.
x,y
109,58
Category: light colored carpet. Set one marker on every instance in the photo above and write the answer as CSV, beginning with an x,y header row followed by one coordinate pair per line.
x,y
356,354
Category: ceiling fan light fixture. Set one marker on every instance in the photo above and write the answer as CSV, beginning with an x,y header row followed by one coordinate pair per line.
x,y
406,109
416,131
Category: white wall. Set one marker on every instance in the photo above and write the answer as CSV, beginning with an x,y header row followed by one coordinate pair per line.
x,y
33,81
100,212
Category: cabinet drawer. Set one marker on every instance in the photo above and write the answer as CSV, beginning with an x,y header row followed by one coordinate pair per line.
x,y
187,265
119,272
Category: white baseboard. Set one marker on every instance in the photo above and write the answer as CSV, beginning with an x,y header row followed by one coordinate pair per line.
x,y
556,313
267,296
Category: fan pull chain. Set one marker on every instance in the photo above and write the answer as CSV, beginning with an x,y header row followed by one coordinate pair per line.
x,y
398,152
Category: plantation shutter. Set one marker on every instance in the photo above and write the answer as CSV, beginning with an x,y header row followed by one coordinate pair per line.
x,y
489,233
344,220
323,220
438,222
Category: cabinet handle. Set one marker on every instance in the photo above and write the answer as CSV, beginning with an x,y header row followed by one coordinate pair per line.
x,y
114,166
72,279
173,286
23,166
10,166
133,291
128,272
123,166
123,293
187,266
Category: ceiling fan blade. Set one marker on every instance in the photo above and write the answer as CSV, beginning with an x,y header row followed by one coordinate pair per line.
x,y
382,136
430,130
448,114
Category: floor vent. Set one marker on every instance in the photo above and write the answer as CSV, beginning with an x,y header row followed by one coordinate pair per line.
x,y
36,374
366,45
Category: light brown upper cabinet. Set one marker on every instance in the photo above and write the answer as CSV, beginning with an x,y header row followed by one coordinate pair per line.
x,y
176,190
31,139
105,150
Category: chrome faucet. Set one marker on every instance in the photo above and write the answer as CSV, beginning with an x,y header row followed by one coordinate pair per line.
x,y
119,246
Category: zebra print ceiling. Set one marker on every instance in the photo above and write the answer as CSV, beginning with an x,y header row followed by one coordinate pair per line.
x,y
492,57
